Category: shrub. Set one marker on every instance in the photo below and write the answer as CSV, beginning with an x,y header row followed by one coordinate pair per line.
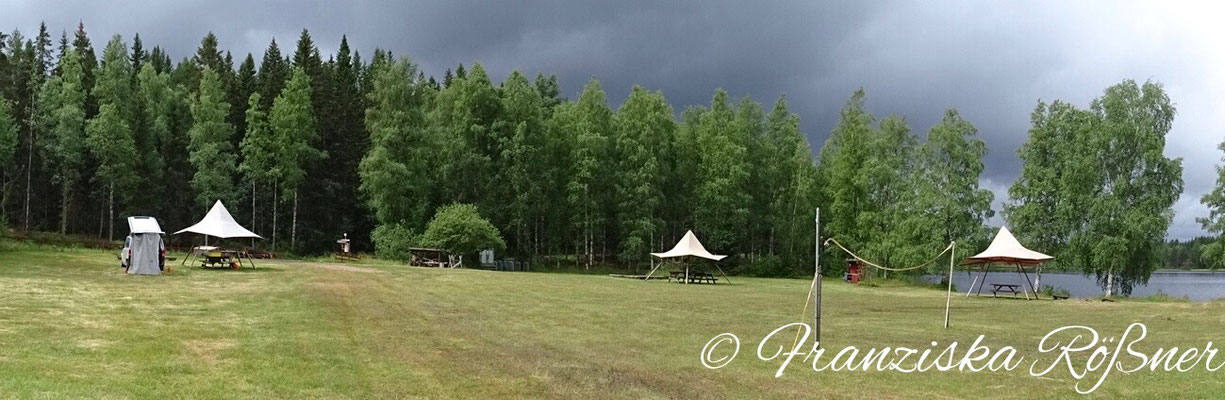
x,y
460,229
392,241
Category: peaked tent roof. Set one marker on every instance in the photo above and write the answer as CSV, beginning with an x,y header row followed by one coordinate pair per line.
x,y
689,246
1006,248
219,223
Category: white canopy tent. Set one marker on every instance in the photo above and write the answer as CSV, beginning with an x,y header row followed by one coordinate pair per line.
x,y
219,223
1005,249
688,246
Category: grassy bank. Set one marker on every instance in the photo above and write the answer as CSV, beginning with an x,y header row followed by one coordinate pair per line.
x,y
72,325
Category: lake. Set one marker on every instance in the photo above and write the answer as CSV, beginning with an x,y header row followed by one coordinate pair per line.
x,y
1196,286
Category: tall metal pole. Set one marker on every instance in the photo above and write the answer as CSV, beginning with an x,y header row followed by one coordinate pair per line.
x,y
948,297
816,293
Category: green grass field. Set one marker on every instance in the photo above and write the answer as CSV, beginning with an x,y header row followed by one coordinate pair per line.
x,y
72,325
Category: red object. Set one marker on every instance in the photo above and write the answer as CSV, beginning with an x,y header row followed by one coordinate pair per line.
x,y
853,272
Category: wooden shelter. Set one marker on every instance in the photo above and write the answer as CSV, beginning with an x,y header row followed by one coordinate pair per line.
x,y
1005,249
423,257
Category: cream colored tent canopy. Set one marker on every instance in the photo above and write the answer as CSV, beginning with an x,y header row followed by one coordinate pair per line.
x,y
689,246
219,223
1006,249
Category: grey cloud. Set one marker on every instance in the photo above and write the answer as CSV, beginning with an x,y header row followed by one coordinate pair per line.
x,y
991,60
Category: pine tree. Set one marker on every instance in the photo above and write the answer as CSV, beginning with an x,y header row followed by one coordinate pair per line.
x,y
208,55
210,149
273,71
293,124
244,85
138,54
89,64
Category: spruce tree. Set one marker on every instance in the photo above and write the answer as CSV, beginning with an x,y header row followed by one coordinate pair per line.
x,y
210,148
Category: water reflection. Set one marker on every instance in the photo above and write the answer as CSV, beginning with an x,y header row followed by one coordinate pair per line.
x,y
1197,286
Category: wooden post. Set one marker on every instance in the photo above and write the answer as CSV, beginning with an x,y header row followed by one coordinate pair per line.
x,y
948,296
816,295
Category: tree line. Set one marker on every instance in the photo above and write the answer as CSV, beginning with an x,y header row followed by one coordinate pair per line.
x,y
304,149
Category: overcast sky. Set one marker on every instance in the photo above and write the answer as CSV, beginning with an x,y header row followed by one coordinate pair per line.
x,y
991,60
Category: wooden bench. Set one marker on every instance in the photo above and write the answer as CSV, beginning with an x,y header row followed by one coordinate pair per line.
x,y
694,277
1004,288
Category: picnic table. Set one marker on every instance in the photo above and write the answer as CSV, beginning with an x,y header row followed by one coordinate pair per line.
x,y
216,257
997,288
694,277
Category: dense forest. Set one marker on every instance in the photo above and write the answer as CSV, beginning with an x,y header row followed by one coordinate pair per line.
x,y
305,149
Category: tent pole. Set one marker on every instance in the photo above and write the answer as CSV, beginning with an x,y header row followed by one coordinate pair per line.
x,y
1031,283
976,276
729,280
661,263
686,273
1021,272
191,253
816,277
948,296
984,282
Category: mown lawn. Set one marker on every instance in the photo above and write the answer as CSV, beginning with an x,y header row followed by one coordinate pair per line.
x,y
72,325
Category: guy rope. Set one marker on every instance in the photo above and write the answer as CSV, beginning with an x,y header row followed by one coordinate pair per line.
x,y
951,250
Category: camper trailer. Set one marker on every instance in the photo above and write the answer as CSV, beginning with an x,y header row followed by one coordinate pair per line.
x,y
143,251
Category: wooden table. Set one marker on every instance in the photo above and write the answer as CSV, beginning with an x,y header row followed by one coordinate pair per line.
x,y
694,277
997,288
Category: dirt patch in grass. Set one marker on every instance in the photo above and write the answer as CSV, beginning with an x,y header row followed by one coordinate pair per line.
x,y
208,350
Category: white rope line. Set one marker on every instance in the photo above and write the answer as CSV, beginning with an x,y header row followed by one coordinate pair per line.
x,y
934,259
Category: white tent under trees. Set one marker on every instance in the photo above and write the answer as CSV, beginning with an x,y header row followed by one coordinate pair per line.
x,y
1005,249
220,224
688,246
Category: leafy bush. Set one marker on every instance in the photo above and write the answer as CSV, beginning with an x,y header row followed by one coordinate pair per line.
x,y
768,266
460,229
392,241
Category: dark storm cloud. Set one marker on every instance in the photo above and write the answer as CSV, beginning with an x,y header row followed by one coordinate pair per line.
x,y
993,61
